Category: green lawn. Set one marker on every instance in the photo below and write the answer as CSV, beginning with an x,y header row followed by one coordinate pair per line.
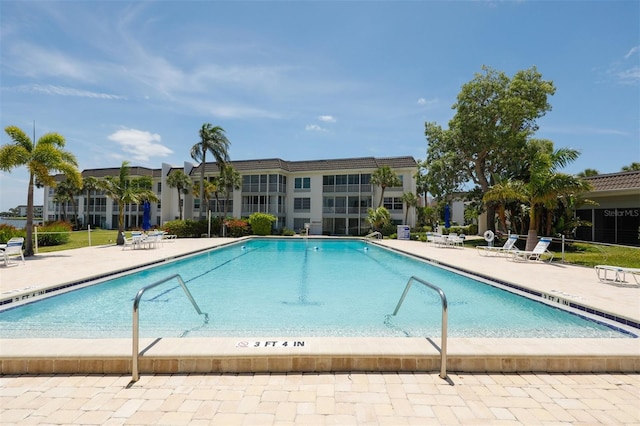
x,y
577,253
79,239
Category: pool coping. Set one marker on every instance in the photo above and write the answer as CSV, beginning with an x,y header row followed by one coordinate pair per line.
x,y
190,355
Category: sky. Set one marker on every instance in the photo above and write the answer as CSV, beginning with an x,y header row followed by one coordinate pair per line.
x,y
305,80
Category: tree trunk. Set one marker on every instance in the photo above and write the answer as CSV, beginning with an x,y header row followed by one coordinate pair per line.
x,y
491,217
28,241
532,234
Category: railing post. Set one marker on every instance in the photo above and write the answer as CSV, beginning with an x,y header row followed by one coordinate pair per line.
x,y
443,338
35,237
89,233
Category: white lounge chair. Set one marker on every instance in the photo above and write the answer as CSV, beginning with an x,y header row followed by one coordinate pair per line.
x,y
535,254
508,246
13,248
619,273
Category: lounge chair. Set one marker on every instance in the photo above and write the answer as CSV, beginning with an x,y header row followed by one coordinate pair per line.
x,y
619,273
535,254
13,248
508,246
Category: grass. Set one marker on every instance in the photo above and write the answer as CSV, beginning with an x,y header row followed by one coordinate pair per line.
x,y
584,254
79,239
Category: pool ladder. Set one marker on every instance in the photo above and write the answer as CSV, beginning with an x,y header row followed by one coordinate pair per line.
x,y
443,338
136,304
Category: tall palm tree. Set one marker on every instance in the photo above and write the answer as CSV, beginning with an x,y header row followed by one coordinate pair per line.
x,y
410,200
378,218
89,184
384,177
212,139
544,188
123,190
41,159
229,180
182,182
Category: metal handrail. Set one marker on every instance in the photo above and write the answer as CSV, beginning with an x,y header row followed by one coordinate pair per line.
x,y
376,234
443,341
136,303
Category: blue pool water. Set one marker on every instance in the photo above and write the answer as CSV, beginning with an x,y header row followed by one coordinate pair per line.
x,y
297,288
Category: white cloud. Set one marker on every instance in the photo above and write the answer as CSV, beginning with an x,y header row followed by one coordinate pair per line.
x,y
314,128
50,89
632,51
427,102
327,118
141,144
630,76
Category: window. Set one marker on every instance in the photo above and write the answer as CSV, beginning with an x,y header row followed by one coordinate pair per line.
x,y
301,204
392,203
159,187
298,223
302,183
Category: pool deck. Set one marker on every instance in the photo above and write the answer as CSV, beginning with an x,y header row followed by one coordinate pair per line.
x,y
328,380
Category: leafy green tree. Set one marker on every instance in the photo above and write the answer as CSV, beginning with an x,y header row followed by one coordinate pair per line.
x,y
410,201
385,178
182,182
212,139
631,167
545,186
495,116
41,158
89,184
124,190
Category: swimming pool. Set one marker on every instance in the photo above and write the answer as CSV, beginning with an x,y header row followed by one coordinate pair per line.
x,y
295,288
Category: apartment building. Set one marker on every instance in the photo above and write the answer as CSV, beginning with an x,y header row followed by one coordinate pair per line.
x,y
332,196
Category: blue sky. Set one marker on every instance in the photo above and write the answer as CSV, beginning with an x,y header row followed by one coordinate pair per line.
x,y
305,80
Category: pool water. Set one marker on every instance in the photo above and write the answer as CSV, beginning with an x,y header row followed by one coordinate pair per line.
x,y
297,288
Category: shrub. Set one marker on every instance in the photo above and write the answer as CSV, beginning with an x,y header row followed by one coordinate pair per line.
x,y
261,223
9,231
188,228
54,234
237,227
288,232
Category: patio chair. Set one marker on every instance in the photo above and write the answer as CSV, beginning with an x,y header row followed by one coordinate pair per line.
x,y
128,242
508,246
619,273
536,254
13,249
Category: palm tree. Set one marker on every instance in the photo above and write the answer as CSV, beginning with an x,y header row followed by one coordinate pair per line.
x,y
544,188
182,182
212,139
89,184
410,200
41,158
123,190
631,167
378,218
66,191
384,177
210,189
229,181
588,173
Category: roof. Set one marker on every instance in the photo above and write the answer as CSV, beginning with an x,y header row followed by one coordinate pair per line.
x,y
314,165
615,181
